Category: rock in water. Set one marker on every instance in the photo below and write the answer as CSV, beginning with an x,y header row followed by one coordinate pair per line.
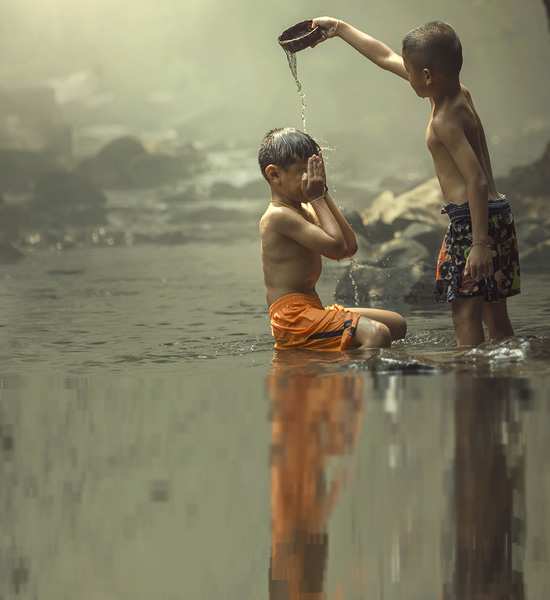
x,y
536,259
125,163
20,168
421,204
111,166
63,198
429,236
399,253
531,232
8,253
412,284
356,222
529,180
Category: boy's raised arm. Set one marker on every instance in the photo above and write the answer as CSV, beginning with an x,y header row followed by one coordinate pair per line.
x,y
327,238
326,208
347,231
375,50
330,244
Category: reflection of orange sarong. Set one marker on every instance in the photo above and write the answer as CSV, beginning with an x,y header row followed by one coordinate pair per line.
x,y
300,321
316,417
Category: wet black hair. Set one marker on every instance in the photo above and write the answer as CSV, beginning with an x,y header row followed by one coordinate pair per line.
x,y
435,45
285,146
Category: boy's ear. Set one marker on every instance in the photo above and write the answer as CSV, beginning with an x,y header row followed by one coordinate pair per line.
x,y
427,76
272,173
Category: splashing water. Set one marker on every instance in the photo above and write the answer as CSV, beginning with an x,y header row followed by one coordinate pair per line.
x,y
293,64
354,265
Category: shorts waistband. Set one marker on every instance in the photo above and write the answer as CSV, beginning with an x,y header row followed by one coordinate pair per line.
x,y
293,297
459,212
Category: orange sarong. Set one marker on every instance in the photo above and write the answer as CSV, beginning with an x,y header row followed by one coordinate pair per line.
x,y
300,321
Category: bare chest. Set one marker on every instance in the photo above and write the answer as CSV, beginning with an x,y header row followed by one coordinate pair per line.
x,y
432,141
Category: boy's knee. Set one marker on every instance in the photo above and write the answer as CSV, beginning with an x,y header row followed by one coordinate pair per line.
x,y
467,310
381,336
400,328
372,334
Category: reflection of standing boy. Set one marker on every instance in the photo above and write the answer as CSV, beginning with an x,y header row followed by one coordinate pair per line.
x,y
478,265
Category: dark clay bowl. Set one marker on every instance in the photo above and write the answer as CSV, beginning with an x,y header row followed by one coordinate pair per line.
x,y
300,36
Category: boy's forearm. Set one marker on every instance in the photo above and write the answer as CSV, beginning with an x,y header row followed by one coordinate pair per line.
x,y
373,49
327,220
345,227
478,195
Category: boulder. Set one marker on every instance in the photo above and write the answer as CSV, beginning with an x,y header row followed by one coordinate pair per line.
x,y
125,163
421,204
152,170
356,222
429,236
532,232
111,167
537,258
63,198
528,180
13,219
367,284
20,168
399,252
532,208
8,253
399,185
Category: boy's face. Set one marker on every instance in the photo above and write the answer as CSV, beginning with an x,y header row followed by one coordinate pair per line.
x,y
288,182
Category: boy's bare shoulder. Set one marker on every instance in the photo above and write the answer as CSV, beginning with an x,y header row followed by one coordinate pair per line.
x,y
455,115
276,218
277,214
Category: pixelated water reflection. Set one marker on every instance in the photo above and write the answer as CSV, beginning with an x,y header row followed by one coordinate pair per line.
x,y
391,487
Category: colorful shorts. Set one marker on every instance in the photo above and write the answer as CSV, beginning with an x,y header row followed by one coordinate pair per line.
x,y
505,281
300,321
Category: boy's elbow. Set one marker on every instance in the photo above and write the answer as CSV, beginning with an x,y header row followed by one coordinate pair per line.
x,y
351,250
337,250
480,183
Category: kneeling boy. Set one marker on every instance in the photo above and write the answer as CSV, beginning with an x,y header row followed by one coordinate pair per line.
x,y
301,224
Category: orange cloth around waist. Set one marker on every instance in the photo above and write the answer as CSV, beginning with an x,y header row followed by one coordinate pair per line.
x,y
300,321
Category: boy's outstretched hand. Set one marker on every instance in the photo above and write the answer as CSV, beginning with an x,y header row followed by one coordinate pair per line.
x,y
329,27
314,181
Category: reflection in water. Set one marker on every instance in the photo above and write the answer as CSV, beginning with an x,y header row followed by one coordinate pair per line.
x,y
315,417
489,473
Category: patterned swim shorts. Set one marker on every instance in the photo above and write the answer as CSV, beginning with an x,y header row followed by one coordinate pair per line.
x,y
505,281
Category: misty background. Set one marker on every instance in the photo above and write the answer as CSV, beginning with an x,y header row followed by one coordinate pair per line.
x,y
212,72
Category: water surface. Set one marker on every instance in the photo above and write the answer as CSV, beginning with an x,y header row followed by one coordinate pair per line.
x,y
154,445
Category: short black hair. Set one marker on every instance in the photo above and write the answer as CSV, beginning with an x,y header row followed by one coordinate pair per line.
x,y
285,146
435,45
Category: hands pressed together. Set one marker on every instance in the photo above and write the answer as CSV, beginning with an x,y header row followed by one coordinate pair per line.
x,y
314,180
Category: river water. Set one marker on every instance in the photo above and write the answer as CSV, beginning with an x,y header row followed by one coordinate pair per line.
x,y
153,445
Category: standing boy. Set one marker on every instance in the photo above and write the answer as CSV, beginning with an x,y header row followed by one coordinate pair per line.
x,y
478,265
301,224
